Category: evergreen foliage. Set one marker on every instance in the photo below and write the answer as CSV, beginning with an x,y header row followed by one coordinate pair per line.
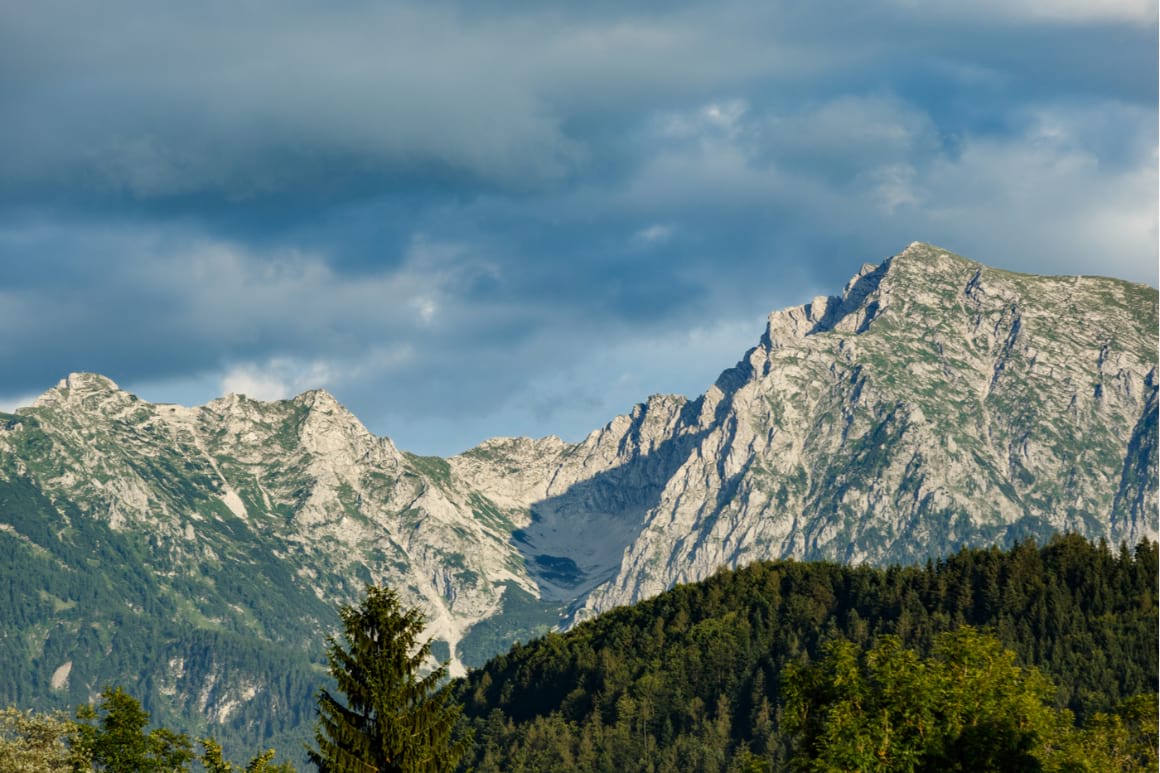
x,y
112,735
74,590
968,707
695,679
776,666
212,760
109,736
394,720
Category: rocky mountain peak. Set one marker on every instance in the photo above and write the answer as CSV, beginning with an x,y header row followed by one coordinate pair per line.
x,y
910,275
320,400
89,391
852,311
932,403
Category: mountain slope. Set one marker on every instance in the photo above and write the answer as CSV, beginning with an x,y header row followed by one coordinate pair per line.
x,y
300,480
198,556
936,403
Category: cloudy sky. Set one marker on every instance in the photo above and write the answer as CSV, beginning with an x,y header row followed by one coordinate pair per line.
x,y
524,219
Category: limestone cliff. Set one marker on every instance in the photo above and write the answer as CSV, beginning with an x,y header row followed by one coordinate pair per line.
x,y
935,403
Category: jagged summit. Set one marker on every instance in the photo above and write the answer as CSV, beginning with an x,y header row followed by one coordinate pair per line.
x,y
924,251
90,381
84,383
319,398
88,389
865,296
933,403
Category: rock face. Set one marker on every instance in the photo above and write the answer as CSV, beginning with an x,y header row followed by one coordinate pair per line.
x,y
935,403
335,504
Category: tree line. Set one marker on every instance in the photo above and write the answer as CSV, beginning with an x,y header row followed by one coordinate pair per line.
x,y
697,678
1033,658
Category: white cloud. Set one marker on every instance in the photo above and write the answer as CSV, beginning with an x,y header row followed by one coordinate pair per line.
x,y
426,308
1065,188
726,154
848,134
275,379
1046,198
255,382
657,233
573,176
1141,12
240,294
1137,12
720,118
893,186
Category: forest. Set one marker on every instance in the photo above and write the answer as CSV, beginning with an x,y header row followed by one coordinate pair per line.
x,y
695,679
1032,658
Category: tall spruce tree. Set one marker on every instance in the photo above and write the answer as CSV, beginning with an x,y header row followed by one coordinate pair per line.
x,y
394,720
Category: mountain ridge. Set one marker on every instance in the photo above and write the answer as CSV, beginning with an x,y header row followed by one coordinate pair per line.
x,y
935,403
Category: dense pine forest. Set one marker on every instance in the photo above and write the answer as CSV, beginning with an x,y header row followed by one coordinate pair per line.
x,y
694,679
1035,658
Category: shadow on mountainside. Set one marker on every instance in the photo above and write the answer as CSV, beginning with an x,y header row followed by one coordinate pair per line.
x,y
851,302
578,538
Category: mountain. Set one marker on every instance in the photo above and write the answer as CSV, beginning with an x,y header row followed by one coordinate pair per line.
x,y
935,403
197,555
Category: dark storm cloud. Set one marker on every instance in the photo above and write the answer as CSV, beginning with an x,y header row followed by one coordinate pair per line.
x,y
471,220
242,101
169,102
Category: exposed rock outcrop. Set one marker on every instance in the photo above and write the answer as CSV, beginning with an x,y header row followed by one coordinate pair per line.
x,y
935,403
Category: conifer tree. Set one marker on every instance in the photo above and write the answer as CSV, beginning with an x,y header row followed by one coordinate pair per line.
x,y
112,734
394,720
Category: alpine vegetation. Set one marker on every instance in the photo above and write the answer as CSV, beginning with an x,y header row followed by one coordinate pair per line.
x,y
195,555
